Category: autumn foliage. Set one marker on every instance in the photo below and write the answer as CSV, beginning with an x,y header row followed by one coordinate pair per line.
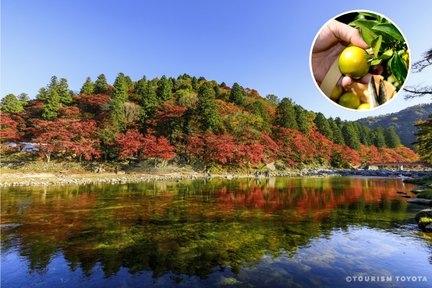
x,y
8,127
66,137
133,144
169,119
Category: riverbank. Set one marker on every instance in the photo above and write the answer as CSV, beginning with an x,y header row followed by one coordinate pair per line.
x,y
64,178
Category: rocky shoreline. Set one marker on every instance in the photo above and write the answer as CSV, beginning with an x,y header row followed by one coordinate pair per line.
x,y
44,179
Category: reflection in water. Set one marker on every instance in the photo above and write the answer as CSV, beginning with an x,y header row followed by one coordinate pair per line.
x,y
288,231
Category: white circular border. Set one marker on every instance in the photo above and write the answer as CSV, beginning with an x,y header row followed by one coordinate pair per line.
x,y
313,44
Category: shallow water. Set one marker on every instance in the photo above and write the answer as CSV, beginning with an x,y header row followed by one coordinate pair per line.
x,y
280,232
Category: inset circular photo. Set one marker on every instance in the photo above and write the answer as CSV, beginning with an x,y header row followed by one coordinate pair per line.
x,y
360,60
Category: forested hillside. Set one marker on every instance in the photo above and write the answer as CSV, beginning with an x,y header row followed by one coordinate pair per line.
x,y
190,121
403,121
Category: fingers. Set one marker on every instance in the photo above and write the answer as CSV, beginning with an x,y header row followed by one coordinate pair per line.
x,y
347,34
345,82
366,79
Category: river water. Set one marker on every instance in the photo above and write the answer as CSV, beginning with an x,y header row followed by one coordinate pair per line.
x,y
277,232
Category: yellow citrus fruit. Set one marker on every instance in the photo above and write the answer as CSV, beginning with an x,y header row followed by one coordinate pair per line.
x,y
353,62
364,106
336,92
349,100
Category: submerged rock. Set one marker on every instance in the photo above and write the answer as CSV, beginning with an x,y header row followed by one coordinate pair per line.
x,y
424,220
423,213
420,201
425,224
419,189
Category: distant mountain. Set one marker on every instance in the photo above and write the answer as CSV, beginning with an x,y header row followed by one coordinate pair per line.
x,y
403,121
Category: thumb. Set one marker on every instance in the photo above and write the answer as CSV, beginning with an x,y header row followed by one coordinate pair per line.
x,y
347,34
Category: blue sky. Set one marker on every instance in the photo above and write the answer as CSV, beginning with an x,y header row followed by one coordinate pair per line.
x,y
263,45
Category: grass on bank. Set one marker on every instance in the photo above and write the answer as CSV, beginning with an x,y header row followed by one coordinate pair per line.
x,y
425,182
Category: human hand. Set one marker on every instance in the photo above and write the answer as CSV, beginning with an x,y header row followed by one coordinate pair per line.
x,y
332,39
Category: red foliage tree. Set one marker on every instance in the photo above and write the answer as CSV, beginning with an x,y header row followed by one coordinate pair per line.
x,y
168,120
66,137
93,106
194,147
220,149
70,112
133,144
216,149
344,157
33,109
9,127
130,144
323,146
369,154
407,154
294,147
91,103
271,148
83,142
153,147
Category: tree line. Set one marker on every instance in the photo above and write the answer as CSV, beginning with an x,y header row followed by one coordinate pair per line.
x,y
188,120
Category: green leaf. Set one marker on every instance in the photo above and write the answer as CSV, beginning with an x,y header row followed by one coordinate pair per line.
x,y
398,67
387,54
365,28
376,45
375,62
359,16
389,29
370,15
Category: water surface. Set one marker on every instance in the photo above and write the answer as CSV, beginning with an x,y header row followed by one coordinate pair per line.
x,y
278,232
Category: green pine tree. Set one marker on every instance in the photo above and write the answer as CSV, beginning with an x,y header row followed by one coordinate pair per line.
x,y
88,87
10,103
64,92
42,94
164,89
140,86
364,134
217,90
337,132
302,119
285,114
195,84
259,109
23,98
53,85
379,138
208,114
339,122
392,140
118,99
52,105
236,94
323,126
350,136
149,99
101,85
272,99
129,83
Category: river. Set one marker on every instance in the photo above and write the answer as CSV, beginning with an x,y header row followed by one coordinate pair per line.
x,y
276,232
